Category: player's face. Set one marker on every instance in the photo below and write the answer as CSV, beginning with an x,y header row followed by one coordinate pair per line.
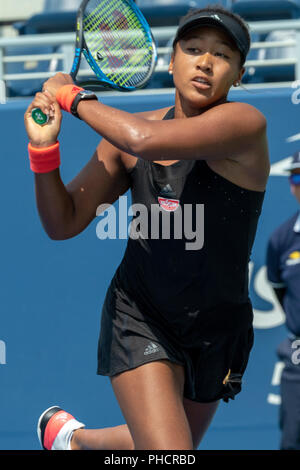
x,y
295,188
205,64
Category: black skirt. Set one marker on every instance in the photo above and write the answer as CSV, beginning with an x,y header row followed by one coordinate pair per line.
x,y
131,336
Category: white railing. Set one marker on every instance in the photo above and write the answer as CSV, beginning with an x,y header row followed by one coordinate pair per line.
x,y
164,34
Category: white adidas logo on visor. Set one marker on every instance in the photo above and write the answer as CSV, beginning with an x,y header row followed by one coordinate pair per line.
x,y
216,17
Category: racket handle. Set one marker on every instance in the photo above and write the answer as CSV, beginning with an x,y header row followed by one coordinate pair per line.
x,y
39,117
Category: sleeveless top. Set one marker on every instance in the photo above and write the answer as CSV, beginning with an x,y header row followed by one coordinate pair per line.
x,y
188,283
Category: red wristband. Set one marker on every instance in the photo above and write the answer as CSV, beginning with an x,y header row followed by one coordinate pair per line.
x,y
65,96
44,159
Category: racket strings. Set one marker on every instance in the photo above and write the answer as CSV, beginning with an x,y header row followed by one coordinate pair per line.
x,y
122,47
117,41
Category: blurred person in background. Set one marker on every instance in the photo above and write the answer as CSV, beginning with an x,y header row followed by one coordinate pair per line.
x,y
283,271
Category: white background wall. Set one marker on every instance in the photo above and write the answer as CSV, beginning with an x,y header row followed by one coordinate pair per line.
x,y
14,10
19,9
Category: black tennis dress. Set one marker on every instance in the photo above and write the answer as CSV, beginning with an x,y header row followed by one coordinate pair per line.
x,y
174,299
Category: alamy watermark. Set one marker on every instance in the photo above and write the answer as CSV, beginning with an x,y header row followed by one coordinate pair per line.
x,y
296,94
296,353
2,352
187,224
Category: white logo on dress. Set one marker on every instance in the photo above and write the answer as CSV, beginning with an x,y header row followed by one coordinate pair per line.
x,y
151,349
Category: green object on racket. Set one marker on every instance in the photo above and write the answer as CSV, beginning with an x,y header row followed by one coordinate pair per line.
x,y
117,43
39,117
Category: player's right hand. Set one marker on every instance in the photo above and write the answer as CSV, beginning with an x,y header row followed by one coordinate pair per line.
x,y
43,136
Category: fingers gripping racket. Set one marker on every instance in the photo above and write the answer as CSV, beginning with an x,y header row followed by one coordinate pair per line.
x,y
117,43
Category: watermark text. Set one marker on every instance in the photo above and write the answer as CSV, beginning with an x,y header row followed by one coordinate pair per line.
x,y
154,223
2,352
296,353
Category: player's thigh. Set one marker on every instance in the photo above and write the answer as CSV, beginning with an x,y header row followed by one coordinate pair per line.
x,y
199,416
151,400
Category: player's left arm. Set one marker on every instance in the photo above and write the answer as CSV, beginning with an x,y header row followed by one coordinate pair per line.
x,y
230,130
225,131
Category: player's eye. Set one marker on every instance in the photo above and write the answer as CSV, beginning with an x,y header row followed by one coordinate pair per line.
x,y
221,54
194,50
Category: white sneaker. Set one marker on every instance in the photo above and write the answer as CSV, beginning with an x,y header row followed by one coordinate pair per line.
x,y
55,429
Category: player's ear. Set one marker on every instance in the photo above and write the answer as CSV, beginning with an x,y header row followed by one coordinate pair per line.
x,y
171,64
238,79
242,71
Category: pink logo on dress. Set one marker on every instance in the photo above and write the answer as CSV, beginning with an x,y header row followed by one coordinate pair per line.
x,y
169,205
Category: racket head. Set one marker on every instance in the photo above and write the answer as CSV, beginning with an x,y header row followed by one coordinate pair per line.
x,y
117,43
125,48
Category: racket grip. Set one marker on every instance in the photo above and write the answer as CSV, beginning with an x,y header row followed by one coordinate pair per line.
x,y
39,117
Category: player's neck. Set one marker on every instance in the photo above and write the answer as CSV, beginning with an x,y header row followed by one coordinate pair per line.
x,y
184,109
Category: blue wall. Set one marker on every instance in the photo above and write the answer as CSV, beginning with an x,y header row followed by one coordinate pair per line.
x,y
52,292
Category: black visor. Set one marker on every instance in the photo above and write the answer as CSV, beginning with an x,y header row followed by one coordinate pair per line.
x,y
210,18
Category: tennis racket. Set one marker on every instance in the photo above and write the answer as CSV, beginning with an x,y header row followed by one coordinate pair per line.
x,y
117,43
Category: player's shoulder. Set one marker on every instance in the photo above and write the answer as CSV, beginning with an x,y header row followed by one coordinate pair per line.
x,y
245,110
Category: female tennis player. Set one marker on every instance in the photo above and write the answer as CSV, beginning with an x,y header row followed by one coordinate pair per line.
x,y
176,325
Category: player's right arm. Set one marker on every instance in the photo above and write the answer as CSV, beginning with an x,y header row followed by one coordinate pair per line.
x,y
66,210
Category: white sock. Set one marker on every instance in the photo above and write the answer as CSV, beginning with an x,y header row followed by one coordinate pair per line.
x,y
64,436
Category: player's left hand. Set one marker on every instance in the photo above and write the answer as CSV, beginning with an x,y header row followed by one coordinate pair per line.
x,y
56,82
43,136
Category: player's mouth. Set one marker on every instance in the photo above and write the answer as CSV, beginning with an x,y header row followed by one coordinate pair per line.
x,y
200,82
